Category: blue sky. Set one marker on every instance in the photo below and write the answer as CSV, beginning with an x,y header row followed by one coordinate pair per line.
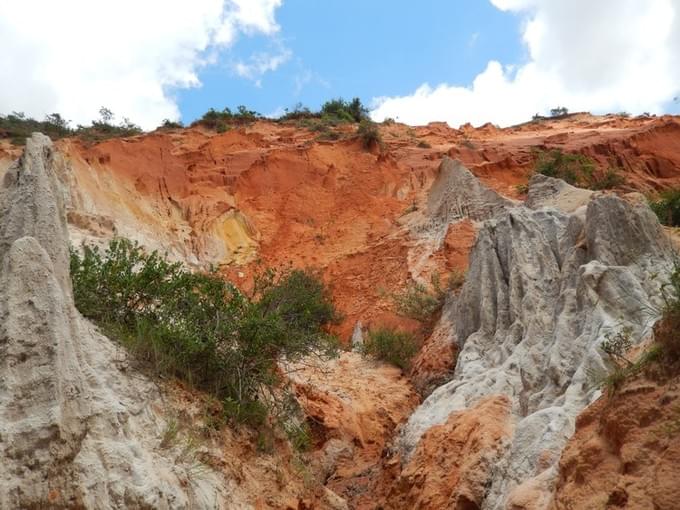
x,y
348,48
457,61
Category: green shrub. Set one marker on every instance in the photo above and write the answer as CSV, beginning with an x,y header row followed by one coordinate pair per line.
x,y
345,111
298,112
419,302
572,168
104,128
202,329
667,207
422,144
299,435
369,134
332,113
222,121
663,356
17,127
169,124
560,111
395,347
611,178
576,169
456,279
666,331
328,134
615,345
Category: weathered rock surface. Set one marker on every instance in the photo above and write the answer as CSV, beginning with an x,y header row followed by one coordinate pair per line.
x,y
353,404
625,452
457,194
451,464
77,430
547,191
543,288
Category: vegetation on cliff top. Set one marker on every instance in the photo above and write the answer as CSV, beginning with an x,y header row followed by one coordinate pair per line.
x,y
17,127
334,111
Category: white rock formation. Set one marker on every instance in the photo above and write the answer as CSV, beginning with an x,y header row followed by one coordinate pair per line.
x,y
456,194
357,341
545,284
77,430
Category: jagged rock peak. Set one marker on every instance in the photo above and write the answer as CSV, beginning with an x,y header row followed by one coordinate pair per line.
x,y
456,194
31,204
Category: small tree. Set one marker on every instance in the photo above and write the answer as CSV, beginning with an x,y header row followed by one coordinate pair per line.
x,y
105,115
615,345
560,111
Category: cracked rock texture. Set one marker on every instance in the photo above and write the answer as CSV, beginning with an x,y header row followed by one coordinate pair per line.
x,y
545,284
77,430
626,450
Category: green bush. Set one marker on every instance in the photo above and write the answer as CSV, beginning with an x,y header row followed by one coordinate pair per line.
x,y
395,347
616,345
222,121
202,329
332,113
298,112
667,207
560,111
419,302
169,124
369,134
345,111
17,127
663,357
611,178
666,330
299,435
576,169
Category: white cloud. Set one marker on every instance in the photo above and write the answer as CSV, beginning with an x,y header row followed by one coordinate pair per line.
x,y
74,56
261,63
600,56
306,77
